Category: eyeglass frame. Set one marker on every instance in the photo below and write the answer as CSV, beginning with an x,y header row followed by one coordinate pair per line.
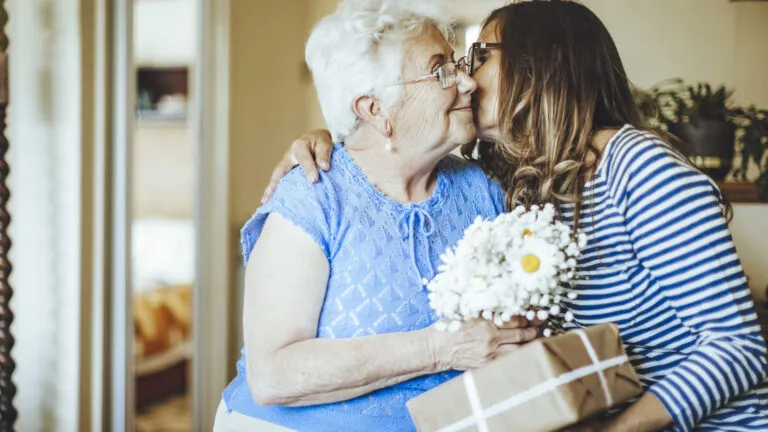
x,y
460,65
476,46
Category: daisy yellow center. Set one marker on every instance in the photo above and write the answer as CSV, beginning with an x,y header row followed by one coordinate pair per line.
x,y
530,263
527,233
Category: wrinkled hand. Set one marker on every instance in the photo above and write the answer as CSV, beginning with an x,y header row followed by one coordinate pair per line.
x,y
311,151
478,342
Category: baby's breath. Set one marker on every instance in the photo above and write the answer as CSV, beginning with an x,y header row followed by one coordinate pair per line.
x,y
519,264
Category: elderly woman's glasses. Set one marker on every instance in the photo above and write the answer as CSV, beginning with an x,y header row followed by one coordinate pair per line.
x,y
478,54
447,74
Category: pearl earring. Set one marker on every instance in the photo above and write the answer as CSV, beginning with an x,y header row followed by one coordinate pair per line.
x,y
388,146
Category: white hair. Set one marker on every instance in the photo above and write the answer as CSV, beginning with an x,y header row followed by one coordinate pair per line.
x,y
358,51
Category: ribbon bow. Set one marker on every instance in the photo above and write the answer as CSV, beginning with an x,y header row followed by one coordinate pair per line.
x,y
407,224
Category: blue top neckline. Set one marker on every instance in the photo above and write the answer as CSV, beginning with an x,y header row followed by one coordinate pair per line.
x,y
433,201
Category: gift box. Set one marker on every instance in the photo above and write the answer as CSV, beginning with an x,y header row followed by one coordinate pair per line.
x,y
543,386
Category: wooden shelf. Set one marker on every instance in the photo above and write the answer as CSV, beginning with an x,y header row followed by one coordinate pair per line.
x,y
158,83
739,192
159,117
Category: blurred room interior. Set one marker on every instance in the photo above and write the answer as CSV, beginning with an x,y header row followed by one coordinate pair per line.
x,y
142,134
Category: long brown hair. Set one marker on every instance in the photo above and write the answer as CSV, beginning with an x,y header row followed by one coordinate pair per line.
x,y
562,80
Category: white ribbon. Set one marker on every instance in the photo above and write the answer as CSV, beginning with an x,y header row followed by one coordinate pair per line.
x,y
600,373
480,416
474,402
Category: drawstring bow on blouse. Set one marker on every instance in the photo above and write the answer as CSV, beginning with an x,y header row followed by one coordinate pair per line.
x,y
407,225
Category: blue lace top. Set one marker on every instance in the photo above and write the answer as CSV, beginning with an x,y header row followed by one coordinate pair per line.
x,y
378,251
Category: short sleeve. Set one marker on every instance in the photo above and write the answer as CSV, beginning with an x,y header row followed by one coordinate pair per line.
x,y
303,204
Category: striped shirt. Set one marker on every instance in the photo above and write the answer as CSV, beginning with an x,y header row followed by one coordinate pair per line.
x,y
661,264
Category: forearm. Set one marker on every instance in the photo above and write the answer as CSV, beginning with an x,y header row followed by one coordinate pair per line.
x,y
645,415
351,393
320,371
706,381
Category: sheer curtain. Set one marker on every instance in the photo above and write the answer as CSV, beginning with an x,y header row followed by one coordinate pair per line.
x,y
44,127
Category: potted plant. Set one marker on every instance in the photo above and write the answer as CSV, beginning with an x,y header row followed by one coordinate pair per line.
x,y
753,142
711,126
703,118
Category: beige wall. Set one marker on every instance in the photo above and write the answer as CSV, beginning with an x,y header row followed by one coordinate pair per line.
x,y
699,40
267,102
317,10
751,238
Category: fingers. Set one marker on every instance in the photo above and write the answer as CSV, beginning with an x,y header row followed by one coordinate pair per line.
x,y
323,150
517,336
280,171
302,152
515,322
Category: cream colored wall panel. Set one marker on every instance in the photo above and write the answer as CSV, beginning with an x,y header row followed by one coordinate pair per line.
x,y
165,32
751,239
750,53
163,171
660,39
268,94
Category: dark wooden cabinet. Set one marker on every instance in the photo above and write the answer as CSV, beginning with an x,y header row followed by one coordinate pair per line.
x,y
739,192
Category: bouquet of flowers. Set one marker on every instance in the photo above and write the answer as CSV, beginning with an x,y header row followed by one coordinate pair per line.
x,y
520,263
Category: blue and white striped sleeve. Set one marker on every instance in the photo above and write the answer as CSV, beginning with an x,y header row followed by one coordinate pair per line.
x,y
680,235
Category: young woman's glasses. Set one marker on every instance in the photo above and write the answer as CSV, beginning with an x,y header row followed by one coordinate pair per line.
x,y
478,54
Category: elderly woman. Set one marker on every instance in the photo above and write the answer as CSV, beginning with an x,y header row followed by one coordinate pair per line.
x,y
342,340
558,124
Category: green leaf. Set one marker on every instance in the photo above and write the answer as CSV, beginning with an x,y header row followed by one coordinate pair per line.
x,y
762,186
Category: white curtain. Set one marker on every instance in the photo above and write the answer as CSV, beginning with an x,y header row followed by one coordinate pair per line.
x,y
45,158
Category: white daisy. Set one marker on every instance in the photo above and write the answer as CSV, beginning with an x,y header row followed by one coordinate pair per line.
x,y
536,264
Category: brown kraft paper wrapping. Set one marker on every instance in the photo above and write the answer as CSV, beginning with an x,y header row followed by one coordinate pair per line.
x,y
527,390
